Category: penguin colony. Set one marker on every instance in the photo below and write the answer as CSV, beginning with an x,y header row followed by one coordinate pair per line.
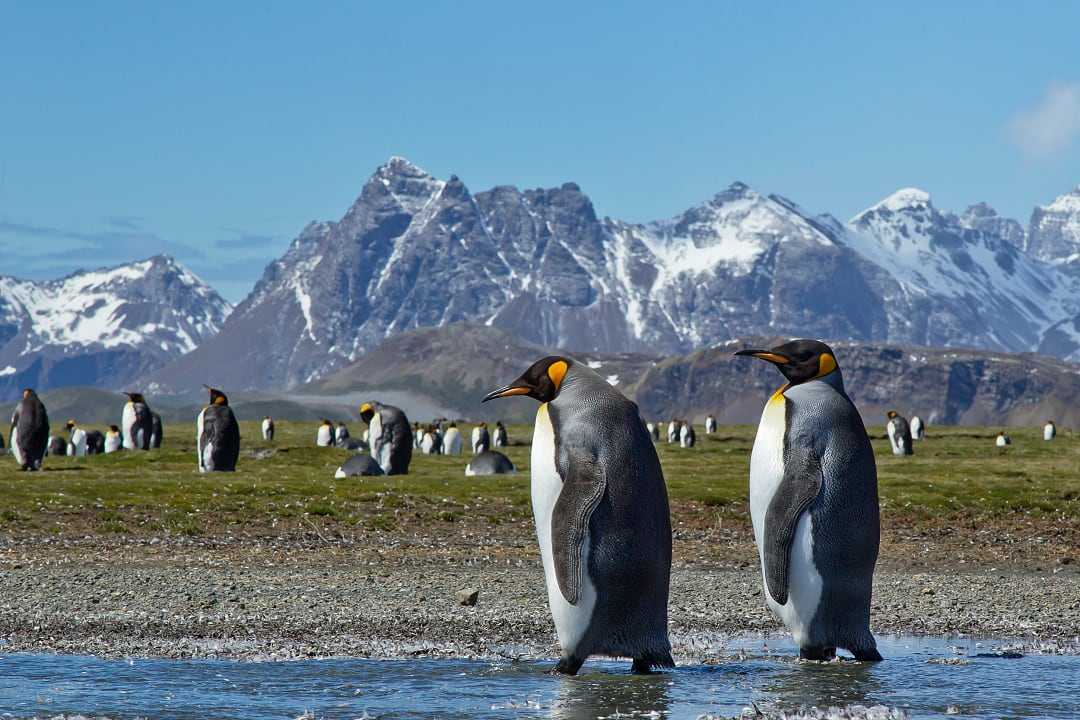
x,y
599,497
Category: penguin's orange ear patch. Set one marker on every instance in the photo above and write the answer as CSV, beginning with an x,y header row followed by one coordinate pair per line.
x,y
826,364
557,371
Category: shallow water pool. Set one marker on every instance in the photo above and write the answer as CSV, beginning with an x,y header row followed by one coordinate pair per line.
x,y
924,677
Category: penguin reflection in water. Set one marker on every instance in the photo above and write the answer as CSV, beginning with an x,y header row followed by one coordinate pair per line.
x,y
602,519
814,505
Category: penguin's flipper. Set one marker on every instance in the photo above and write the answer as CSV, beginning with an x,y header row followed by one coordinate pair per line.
x,y
583,486
800,486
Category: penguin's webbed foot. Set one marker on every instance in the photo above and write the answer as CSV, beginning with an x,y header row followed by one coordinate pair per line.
x,y
641,666
867,654
821,654
568,665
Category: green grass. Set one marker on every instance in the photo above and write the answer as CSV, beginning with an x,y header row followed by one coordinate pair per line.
x,y
955,471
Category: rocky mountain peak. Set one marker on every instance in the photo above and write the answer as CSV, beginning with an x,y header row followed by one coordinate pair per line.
x,y
1054,231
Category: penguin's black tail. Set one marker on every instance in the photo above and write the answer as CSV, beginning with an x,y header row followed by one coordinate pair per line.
x,y
647,661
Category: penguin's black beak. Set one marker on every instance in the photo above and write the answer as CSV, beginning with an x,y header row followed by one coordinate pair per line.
x,y
768,355
515,388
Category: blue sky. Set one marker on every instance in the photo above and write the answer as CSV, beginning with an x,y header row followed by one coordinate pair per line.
x,y
214,134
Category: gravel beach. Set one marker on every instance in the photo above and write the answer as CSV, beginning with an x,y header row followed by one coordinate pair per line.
x,y
280,599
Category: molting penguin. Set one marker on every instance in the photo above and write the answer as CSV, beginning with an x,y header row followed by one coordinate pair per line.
x,y
490,463
137,423
500,438
814,504
602,518
76,445
157,432
358,466
95,442
324,436
687,436
899,434
29,431
452,440
918,430
1049,430
113,441
390,437
219,435
341,435
481,439
710,424
268,428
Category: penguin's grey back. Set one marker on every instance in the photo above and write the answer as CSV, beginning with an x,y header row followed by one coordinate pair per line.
x,y
220,439
396,431
31,430
490,462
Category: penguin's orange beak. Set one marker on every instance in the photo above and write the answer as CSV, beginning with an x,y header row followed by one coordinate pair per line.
x,y
514,388
767,355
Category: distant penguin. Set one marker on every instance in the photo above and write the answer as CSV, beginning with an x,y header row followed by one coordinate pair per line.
x,y
710,424
1003,440
389,435
481,439
499,437
113,441
29,431
602,518
814,504
219,435
673,431
489,463
431,444
137,423
418,434
650,427
918,432
687,436
95,442
452,440
899,434
358,465
268,428
157,432
1049,430
341,435
57,446
324,437
76,445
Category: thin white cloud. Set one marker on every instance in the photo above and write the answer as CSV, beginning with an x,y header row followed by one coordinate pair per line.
x,y
1052,125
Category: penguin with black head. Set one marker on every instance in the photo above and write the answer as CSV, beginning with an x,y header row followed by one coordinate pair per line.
x,y
899,432
77,442
602,518
29,435
814,504
219,435
137,423
113,441
390,436
157,431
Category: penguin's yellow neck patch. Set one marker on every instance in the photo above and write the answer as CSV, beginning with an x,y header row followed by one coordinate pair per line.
x,y
826,364
778,396
557,371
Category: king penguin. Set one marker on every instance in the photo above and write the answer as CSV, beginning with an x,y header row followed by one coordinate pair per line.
x,y
219,435
687,436
341,435
452,440
29,431
431,444
899,434
1049,430
500,438
95,442
602,519
137,423
918,430
814,505
324,436
268,428
481,439
710,424
76,440
157,432
389,436
1003,440
673,430
113,442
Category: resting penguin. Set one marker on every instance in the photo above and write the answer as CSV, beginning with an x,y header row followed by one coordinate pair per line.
x,y
358,465
481,439
29,431
56,446
452,440
491,462
137,423
918,432
687,436
710,424
219,435
500,439
899,434
390,437
602,518
113,442
268,428
1049,430
814,505
95,443
76,445
341,435
156,431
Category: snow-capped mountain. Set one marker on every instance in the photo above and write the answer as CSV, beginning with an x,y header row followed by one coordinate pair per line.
x,y
416,251
104,327
1055,231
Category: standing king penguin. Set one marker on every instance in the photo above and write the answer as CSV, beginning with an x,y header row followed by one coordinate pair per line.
x,y
710,424
324,437
77,446
137,423
452,440
219,435
29,431
899,434
268,428
157,432
918,429
1049,430
389,436
113,442
500,438
481,439
602,519
814,505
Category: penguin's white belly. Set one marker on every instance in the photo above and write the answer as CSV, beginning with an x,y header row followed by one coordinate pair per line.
x,y
203,456
127,423
16,449
571,621
766,474
1048,433
323,437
